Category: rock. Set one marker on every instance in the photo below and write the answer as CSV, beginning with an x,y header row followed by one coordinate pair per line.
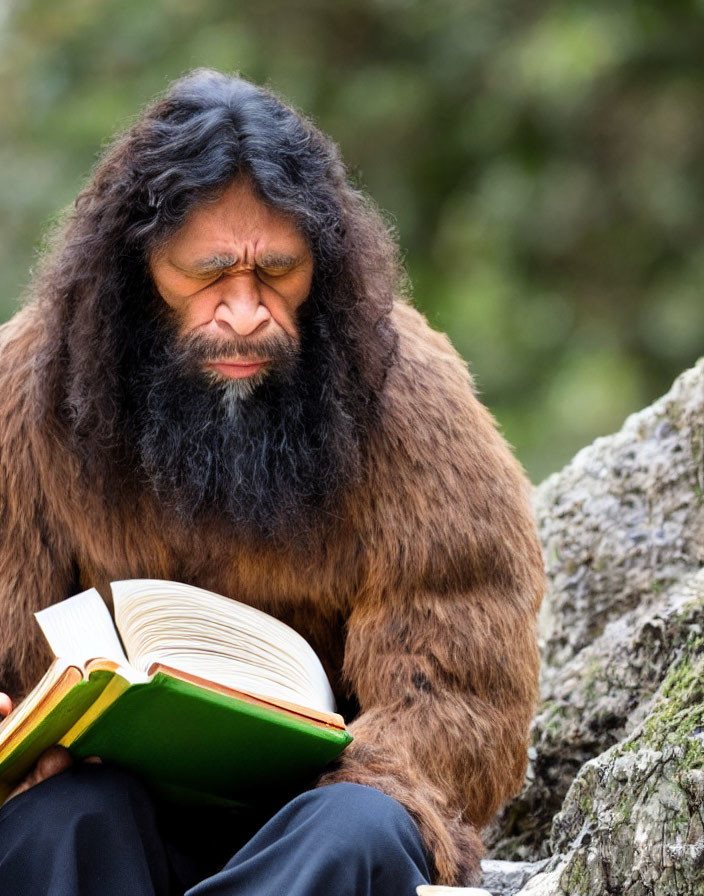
x,y
623,521
506,878
544,884
632,820
450,891
599,698
613,798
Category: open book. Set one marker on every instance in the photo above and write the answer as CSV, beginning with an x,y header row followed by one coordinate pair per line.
x,y
207,698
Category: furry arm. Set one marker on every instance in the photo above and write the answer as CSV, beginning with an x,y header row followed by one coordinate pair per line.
x,y
441,644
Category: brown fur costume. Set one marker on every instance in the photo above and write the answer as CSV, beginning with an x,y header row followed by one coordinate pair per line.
x,y
419,594
421,599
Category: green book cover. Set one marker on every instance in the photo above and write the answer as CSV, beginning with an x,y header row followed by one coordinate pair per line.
x,y
179,735
189,742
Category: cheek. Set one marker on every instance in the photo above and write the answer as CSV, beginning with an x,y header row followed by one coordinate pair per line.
x,y
191,311
286,309
194,312
284,315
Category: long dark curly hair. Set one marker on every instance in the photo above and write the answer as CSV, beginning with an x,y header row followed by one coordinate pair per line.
x,y
100,305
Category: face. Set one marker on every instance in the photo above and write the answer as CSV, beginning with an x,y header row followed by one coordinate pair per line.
x,y
235,275
244,415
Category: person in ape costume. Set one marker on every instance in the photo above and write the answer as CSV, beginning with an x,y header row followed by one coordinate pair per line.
x,y
217,379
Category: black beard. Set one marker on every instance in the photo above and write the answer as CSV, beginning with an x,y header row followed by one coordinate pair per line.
x,y
269,457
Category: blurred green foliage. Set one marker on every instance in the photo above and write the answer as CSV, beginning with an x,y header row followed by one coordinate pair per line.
x,y
542,163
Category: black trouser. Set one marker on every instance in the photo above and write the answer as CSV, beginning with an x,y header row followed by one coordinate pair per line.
x,y
94,831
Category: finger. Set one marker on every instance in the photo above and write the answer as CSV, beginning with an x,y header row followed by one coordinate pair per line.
x,y
5,705
50,763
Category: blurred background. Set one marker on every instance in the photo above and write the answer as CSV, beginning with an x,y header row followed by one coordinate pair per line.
x,y
542,163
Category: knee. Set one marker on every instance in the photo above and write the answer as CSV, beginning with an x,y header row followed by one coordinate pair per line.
x,y
362,815
341,837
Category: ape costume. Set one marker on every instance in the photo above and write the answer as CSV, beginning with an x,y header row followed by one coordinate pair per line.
x,y
416,579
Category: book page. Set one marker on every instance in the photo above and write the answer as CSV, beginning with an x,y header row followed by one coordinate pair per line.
x,y
81,628
218,639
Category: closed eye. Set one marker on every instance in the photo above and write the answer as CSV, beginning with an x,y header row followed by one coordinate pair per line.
x,y
273,271
209,280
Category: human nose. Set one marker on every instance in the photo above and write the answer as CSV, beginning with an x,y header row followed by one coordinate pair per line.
x,y
240,307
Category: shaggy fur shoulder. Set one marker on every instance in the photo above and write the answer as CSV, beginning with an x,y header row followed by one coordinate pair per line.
x,y
445,491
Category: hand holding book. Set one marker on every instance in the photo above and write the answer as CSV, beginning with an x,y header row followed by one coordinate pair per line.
x,y
53,761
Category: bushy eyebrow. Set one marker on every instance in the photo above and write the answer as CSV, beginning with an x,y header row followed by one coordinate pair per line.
x,y
211,264
214,264
279,260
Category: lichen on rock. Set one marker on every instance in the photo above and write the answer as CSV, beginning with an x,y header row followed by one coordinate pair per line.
x,y
632,820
